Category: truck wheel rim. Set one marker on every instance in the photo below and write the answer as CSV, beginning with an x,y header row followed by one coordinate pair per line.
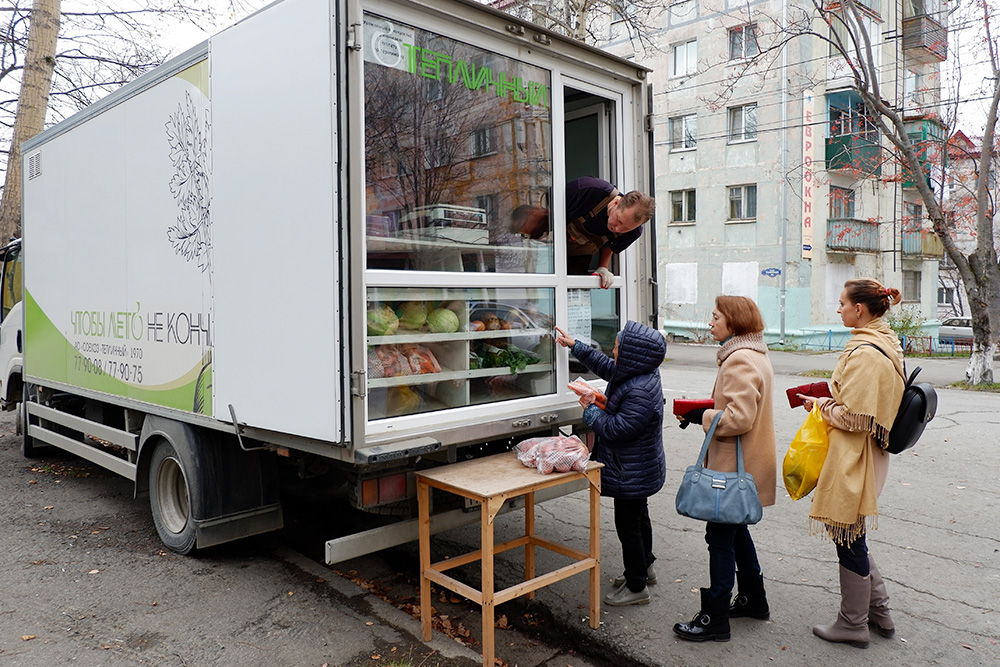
x,y
173,496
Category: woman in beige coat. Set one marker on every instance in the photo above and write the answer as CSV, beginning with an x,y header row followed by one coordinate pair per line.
x,y
743,394
867,386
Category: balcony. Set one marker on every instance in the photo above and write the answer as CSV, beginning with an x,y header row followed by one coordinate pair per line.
x,y
927,137
851,235
906,176
922,243
924,39
853,153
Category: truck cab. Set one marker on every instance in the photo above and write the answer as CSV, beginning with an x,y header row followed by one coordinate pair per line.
x,y
11,325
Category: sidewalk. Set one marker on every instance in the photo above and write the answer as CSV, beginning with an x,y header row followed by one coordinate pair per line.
x,y
937,547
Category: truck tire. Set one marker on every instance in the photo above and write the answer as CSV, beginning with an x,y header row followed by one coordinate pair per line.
x,y
29,448
170,490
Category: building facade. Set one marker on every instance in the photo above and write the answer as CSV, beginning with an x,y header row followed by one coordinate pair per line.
x,y
772,180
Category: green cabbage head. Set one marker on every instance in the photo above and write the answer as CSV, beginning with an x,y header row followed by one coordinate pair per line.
x,y
442,320
382,321
412,314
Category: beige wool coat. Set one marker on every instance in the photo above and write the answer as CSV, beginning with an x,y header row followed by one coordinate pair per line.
x,y
743,393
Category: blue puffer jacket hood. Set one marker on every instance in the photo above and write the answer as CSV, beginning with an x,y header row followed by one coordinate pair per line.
x,y
641,350
630,429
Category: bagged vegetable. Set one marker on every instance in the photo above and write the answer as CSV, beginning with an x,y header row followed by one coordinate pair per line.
x,y
392,361
375,368
553,454
804,460
382,321
403,401
420,359
588,393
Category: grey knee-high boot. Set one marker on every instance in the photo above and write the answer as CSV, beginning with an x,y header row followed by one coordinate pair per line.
x,y
878,607
851,626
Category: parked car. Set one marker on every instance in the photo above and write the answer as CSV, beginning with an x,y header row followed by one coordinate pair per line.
x,y
956,330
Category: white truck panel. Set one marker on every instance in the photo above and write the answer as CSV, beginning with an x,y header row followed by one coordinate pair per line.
x,y
275,163
131,315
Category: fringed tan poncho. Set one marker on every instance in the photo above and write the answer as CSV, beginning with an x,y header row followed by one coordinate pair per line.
x,y
867,388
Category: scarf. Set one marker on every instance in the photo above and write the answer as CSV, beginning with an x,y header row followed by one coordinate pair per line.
x,y
750,341
869,386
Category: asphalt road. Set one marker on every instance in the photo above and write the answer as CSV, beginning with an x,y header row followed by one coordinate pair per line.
x,y
86,581
937,545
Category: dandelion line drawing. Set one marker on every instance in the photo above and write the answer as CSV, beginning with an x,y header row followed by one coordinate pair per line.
x,y
188,135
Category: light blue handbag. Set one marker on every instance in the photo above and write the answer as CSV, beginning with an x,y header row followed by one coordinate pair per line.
x,y
719,497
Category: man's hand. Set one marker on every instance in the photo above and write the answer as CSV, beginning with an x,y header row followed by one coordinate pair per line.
x,y
607,278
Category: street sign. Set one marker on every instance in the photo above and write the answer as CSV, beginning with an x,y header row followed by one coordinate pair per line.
x,y
771,273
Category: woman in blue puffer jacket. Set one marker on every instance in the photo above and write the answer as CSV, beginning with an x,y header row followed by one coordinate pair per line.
x,y
629,444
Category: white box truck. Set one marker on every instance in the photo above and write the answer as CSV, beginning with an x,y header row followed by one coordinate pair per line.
x,y
224,270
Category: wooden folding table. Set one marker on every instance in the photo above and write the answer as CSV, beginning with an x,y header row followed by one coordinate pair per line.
x,y
492,481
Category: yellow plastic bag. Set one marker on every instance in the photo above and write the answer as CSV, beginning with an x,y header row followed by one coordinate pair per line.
x,y
806,455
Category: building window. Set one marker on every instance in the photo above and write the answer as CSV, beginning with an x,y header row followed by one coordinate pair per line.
x,y
913,8
853,120
913,215
437,154
685,58
946,296
743,123
488,204
743,42
682,206
913,86
743,202
911,286
841,203
873,5
435,90
683,132
483,142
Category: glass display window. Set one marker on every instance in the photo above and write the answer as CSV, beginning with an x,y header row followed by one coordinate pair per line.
x,y
458,155
441,348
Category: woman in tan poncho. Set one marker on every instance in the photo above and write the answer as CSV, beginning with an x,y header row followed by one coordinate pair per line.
x,y
867,386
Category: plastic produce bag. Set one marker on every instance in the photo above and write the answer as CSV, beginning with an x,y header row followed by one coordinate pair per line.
x,y
804,460
588,393
420,359
391,362
553,453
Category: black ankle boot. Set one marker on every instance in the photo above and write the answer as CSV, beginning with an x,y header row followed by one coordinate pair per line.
x,y
711,623
750,600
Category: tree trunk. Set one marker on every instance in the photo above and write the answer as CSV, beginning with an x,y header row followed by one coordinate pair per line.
x,y
32,102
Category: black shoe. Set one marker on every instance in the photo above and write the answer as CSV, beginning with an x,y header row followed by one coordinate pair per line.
x,y
750,600
746,607
711,623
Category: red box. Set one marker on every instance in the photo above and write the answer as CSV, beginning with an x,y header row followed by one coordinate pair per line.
x,y
815,389
684,405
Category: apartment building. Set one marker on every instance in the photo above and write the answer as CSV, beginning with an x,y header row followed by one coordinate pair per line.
x,y
961,171
773,181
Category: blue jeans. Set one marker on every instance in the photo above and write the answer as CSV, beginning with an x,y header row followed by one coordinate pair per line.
x,y
729,547
635,532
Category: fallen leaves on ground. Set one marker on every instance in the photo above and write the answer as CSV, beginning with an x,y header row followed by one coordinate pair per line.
x,y
60,470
